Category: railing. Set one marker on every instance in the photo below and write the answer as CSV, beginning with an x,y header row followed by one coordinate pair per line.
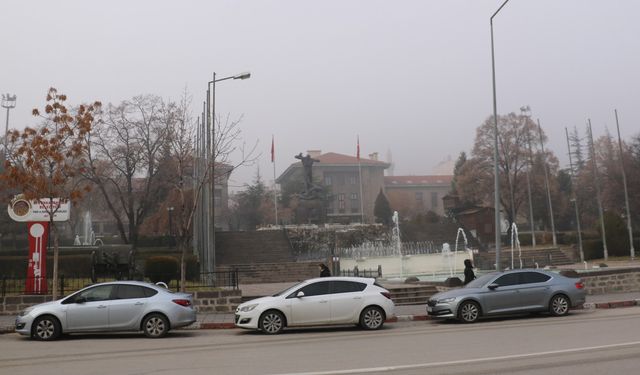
x,y
68,284
355,272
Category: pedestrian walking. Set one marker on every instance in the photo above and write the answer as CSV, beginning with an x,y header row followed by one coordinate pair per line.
x,y
468,271
324,270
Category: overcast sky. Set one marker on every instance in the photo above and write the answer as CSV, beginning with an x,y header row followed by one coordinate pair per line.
x,y
412,77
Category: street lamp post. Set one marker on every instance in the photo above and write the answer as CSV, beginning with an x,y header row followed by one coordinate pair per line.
x,y
526,112
170,211
209,209
8,102
496,181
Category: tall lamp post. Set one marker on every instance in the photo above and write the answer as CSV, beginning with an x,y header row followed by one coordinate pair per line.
x,y
209,254
496,181
526,112
8,102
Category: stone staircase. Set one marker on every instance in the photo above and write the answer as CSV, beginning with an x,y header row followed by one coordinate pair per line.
x,y
542,257
264,273
252,247
407,294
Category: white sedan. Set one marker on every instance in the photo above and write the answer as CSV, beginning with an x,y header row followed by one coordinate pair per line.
x,y
320,301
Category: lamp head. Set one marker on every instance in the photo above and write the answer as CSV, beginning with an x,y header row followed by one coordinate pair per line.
x,y
243,75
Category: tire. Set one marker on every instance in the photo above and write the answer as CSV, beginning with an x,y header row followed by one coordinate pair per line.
x,y
372,318
469,312
155,326
272,322
559,305
46,328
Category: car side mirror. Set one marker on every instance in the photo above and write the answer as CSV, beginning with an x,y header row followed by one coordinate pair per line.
x,y
300,294
80,300
493,286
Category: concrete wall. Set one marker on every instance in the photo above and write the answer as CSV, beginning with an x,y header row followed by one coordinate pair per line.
x,y
424,264
612,281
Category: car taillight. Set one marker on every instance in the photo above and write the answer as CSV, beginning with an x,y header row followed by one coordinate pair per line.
x,y
182,302
386,294
580,285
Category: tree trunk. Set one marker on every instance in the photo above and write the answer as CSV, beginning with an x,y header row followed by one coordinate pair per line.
x,y
183,265
54,282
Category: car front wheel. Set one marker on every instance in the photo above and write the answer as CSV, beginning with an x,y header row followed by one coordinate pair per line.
x,y
46,328
469,312
155,326
272,322
559,305
372,318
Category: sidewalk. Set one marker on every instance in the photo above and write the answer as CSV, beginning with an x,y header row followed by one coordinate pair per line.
x,y
403,313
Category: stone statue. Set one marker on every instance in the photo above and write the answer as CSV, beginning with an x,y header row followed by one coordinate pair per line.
x,y
310,189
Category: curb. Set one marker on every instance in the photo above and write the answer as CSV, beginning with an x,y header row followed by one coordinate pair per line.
x,y
396,319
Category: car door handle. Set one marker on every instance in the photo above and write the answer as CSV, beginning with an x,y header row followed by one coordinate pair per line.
x,y
357,297
138,304
325,301
102,307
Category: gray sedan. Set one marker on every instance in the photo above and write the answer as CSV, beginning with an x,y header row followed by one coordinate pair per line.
x,y
109,307
510,292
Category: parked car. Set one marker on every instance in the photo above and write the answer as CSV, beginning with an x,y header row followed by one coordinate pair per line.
x,y
510,292
108,307
320,301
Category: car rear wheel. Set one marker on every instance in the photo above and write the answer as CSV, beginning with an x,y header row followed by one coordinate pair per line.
x,y
46,328
559,305
372,318
272,322
469,312
155,326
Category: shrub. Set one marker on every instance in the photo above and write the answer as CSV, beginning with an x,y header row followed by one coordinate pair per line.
x,y
617,236
592,249
161,268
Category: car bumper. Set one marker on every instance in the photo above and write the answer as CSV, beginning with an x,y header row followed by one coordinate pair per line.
x,y
444,311
248,320
23,325
185,318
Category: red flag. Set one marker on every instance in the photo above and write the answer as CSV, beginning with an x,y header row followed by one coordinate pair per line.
x,y
358,149
273,151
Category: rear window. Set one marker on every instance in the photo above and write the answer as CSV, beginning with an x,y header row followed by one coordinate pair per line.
x,y
533,277
134,291
347,286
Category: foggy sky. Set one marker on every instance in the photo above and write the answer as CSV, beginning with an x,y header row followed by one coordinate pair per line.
x,y
412,77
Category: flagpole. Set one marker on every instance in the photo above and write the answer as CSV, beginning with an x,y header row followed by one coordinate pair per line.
x,y
275,185
360,179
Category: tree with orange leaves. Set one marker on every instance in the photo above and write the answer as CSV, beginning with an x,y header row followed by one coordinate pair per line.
x,y
43,163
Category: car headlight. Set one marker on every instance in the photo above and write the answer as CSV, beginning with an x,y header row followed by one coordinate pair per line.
x,y
446,300
248,307
25,312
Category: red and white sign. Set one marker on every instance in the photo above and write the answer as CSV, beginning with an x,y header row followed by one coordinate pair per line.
x,y
37,267
23,210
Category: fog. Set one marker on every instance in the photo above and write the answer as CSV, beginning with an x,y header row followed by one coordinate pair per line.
x,y
408,77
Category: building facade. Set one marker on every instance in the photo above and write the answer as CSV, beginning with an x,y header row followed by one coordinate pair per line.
x,y
415,195
351,184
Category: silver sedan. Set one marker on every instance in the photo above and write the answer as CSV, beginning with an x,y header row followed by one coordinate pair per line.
x,y
510,292
108,307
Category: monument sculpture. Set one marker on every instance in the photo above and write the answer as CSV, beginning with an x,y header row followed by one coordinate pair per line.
x,y
311,190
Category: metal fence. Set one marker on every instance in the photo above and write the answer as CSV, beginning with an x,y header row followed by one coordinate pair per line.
x,y
372,249
68,284
362,273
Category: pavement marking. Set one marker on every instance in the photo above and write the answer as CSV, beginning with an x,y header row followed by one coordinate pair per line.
x,y
465,361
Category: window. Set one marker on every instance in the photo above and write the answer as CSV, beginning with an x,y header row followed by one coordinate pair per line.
x,y
327,180
315,289
434,200
353,196
419,198
98,293
533,277
347,287
341,203
507,280
134,291
352,180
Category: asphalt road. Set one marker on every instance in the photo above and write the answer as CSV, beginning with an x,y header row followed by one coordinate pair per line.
x,y
585,342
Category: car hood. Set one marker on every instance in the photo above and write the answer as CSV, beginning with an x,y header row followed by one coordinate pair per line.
x,y
455,293
259,300
44,305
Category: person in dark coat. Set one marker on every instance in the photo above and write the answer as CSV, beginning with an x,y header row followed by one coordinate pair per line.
x,y
468,271
324,270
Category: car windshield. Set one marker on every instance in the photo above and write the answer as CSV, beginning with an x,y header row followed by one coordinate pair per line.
x,y
287,290
480,281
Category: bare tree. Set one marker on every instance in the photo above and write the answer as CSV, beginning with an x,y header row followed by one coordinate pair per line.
x,y
124,153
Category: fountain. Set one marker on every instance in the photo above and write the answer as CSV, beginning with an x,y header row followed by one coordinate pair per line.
x,y
396,235
446,257
466,244
87,231
514,234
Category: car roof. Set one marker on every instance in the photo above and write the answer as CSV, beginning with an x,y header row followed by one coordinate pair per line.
x,y
130,282
368,280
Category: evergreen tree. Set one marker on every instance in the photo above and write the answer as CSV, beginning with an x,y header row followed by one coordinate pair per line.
x,y
382,209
